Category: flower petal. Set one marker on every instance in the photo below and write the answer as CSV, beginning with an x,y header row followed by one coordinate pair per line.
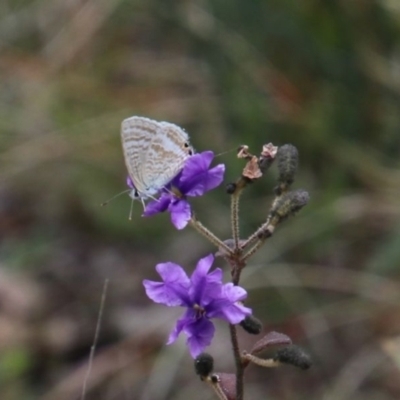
x,y
207,181
187,318
174,290
180,213
200,334
233,292
158,206
195,165
202,268
130,183
231,312
196,178
228,307
205,287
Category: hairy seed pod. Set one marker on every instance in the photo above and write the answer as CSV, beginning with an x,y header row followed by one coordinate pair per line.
x,y
293,355
288,162
251,325
288,205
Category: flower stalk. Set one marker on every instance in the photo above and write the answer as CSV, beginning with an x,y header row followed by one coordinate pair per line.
x,y
210,236
238,362
235,219
203,295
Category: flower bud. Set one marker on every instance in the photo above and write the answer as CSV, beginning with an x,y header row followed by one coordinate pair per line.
x,y
288,205
251,325
288,161
231,188
293,355
204,364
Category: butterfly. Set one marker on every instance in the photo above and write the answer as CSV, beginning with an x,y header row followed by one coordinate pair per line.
x,y
155,152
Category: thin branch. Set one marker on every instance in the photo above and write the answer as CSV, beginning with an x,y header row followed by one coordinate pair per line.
x,y
264,235
235,219
238,362
196,224
256,235
96,339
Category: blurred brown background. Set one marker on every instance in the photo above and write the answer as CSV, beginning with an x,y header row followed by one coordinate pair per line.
x,y
323,75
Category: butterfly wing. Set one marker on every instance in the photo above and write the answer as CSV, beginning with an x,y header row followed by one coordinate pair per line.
x,y
155,152
136,136
166,156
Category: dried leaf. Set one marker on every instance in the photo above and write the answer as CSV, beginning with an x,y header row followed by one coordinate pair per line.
x,y
228,385
243,152
271,339
269,151
252,170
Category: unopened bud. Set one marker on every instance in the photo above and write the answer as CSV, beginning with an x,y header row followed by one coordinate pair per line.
x,y
230,188
251,325
288,162
293,355
288,205
204,364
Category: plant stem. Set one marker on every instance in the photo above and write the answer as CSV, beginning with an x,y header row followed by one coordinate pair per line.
x,y
256,235
238,362
196,224
235,218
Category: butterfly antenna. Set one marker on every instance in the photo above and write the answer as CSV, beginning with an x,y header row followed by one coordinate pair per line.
x,y
226,152
114,197
130,211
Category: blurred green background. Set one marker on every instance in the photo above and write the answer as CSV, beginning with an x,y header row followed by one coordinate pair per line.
x,y
323,75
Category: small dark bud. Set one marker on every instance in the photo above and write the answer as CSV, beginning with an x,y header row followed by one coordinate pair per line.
x,y
251,325
288,162
230,188
204,364
289,204
293,355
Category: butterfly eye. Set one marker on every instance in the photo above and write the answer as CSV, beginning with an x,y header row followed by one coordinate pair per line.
x,y
186,146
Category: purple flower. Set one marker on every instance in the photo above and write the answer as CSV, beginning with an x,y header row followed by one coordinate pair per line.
x,y
195,179
205,297
131,185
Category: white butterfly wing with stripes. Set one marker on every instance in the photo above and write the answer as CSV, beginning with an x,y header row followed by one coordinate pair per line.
x,y
155,152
